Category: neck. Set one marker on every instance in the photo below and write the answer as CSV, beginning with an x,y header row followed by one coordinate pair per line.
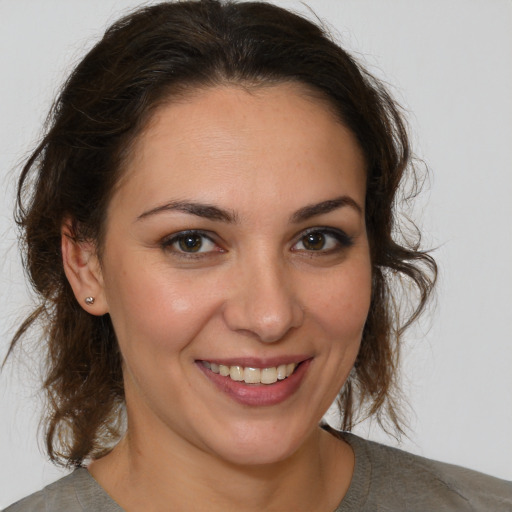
x,y
142,474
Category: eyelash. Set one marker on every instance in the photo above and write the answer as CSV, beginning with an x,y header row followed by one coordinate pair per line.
x,y
342,240
168,243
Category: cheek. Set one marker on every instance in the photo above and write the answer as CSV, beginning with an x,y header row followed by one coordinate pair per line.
x,y
156,312
341,303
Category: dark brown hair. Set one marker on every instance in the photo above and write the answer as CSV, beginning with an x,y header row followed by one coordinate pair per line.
x,y
143,60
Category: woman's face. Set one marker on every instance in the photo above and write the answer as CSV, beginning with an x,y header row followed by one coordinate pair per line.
x,y
236,244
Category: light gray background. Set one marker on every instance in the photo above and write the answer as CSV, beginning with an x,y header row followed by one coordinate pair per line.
x,y
450,64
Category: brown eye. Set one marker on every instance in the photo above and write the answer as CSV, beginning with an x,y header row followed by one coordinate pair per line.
x,y
190,243
323,240
314,241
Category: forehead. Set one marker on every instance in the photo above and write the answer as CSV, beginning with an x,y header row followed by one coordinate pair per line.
x,y
229,141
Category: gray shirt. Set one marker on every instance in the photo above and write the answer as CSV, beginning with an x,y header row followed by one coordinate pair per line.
x,y
385,480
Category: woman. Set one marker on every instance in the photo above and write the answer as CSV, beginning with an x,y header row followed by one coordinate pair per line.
x,y
218,184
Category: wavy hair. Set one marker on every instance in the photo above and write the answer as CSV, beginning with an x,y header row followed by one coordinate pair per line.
x,y
145,59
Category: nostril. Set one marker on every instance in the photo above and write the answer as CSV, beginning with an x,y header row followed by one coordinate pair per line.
x,y
263,306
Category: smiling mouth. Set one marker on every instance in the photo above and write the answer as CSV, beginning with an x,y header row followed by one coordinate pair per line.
x,y
251,375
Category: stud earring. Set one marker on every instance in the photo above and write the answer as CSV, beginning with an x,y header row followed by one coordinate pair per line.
x,y
89,301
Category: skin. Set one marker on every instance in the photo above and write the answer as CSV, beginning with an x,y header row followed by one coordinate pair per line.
x,y
254,289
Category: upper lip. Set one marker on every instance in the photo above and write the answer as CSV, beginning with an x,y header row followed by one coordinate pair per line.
x,y
258,362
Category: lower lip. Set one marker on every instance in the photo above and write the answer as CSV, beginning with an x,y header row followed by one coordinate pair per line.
x,y
258,394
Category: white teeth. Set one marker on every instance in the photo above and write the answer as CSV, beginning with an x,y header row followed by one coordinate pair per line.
x,y
236,373
252,375
268,375
281,372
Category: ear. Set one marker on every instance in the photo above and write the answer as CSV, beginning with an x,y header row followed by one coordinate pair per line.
x,y
83,270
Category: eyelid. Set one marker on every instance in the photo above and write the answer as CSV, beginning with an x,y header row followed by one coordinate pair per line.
x,y
168,241
343,239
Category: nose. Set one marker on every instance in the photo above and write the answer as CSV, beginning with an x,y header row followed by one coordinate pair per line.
x,y
264,302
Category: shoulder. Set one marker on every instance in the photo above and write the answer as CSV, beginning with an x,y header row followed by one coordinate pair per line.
x,y
410,482
77,492
55,497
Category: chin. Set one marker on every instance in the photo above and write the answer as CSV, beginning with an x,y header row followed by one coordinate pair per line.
x,y
259,445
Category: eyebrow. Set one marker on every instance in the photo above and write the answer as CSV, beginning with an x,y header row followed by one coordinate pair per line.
x,y
206,211
324,207
211,212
